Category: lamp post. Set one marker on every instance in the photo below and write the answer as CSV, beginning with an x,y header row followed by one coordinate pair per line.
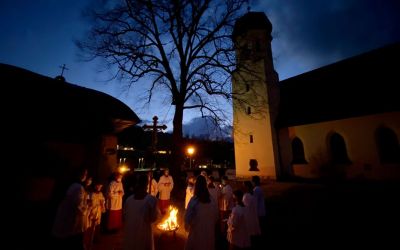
x,y
190,151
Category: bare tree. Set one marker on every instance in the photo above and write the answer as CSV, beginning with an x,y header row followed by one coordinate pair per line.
x,y
183,46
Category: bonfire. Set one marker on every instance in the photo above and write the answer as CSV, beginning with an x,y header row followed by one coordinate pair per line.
x,y
170,223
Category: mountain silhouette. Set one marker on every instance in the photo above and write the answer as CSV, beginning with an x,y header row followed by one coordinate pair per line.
x,y
205,128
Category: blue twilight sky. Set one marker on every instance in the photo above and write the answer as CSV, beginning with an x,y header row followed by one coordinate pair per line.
x,y
307,34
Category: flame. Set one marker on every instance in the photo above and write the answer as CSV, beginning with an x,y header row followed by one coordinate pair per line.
x,y
122,169
171,222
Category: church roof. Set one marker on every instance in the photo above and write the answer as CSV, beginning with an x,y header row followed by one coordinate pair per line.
x,y
55,108
362,85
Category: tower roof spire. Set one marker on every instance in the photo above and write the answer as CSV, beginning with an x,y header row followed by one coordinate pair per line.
x,y
251,21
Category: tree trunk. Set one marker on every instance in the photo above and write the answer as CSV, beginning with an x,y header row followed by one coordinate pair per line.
x,y
176,159
177,135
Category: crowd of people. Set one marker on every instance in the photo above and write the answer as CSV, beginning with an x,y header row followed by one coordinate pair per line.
x,y
212,211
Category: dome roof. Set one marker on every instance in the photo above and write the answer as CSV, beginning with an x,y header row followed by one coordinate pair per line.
x,y
59,108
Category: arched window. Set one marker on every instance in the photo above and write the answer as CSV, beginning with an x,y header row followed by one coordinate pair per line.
x,y
253,165
298,152
248,110
388,145
338,149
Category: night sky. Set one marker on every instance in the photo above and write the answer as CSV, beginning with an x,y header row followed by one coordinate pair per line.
x,y
307,34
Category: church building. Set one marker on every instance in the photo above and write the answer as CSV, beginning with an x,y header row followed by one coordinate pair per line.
x,y
338,121
55,127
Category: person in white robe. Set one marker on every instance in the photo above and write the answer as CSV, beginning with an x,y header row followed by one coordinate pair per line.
x,y
152,187
68,225
165,186
253,225
260,200
140,212
189,189
98,208
237,233
214,190
201,218
114,203
87,223
226,203
226,196
259,194
87,187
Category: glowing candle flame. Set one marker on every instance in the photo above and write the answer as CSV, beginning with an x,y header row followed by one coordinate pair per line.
x,y
122,169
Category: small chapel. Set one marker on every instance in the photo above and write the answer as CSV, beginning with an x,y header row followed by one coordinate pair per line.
x,y
339,121
55,127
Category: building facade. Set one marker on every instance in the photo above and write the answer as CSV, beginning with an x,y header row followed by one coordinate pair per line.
x,y
254,85
338,121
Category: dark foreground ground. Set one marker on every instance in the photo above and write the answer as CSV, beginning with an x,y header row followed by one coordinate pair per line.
x,y
301,215
323,216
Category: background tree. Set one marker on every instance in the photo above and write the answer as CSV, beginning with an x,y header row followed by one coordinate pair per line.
x,y
180,46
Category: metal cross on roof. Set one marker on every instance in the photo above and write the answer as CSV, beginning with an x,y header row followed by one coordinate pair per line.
x,y
63,68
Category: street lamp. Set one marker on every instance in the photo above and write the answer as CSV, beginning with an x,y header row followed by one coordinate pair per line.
x,y
190,151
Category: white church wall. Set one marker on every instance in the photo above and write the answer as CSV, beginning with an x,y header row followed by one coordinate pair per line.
x,y
257,124
359,136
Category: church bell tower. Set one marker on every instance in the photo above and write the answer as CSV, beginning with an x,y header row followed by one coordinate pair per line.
x,y
256,98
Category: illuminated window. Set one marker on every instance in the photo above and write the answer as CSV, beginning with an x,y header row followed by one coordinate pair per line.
x,y
338,149
248,110
251,138
298,152
388,145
